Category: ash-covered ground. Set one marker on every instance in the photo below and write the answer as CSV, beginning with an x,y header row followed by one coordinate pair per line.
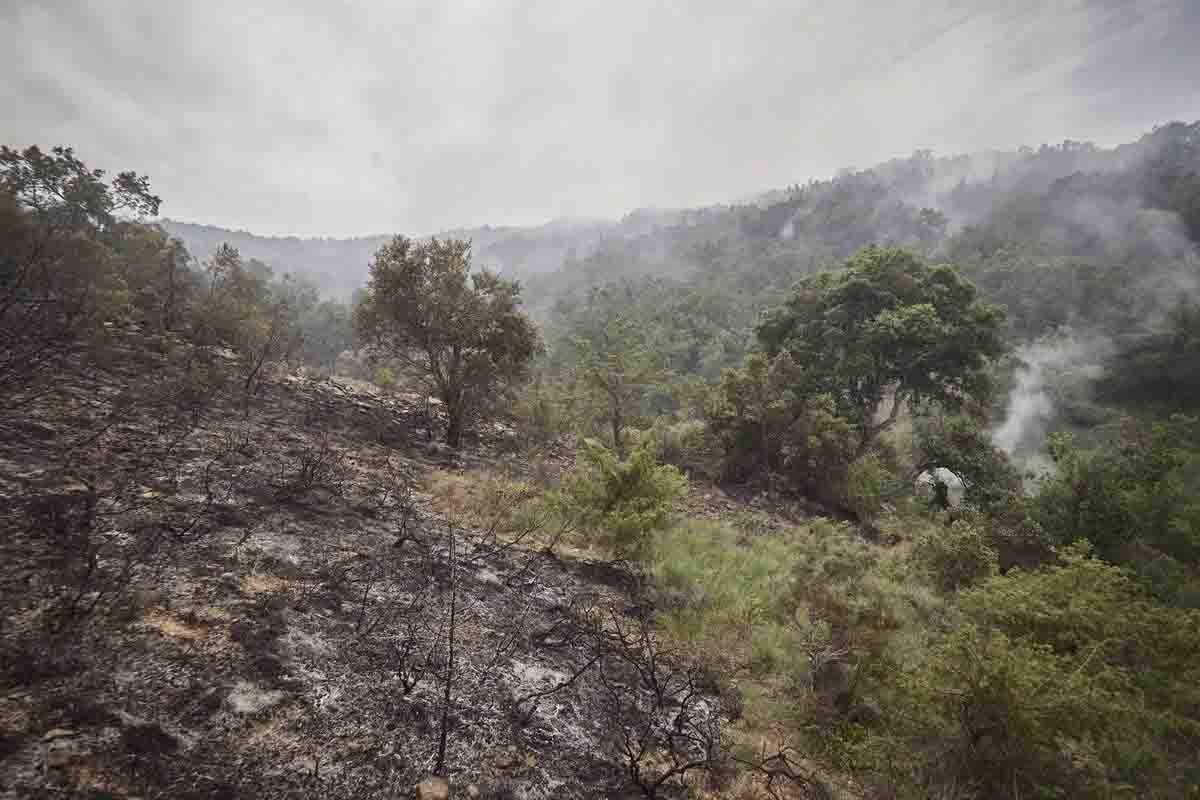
x,y
209,593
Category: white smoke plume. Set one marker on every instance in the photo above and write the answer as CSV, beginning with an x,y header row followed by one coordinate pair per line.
x,y
1031,407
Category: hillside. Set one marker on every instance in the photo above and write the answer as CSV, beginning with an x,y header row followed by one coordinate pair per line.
x,y
339,266
878,488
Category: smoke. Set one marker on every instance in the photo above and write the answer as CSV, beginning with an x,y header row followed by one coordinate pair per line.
x,y
1031,403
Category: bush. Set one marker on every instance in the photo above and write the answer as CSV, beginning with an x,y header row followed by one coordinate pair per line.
x,y
621,503
385,379
540,414
686,444
956,556
987,716
866,484
761,426
1067,682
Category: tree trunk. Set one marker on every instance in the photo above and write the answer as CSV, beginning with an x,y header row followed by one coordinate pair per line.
x,y
454,424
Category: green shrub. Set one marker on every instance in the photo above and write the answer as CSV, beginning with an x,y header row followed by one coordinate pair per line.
x,y
955,556
385,379
621,503
1067,682
541,413
686,444
866,485
983,715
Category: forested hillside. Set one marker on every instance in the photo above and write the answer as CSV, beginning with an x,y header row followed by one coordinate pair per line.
x,y
882,486
339,266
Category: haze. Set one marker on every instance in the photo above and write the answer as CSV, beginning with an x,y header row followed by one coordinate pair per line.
x,y
329,118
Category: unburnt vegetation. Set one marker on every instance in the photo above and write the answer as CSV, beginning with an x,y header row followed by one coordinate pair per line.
x,y
742,530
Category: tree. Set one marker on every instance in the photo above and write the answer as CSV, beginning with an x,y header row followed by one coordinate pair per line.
x,y
765,427
58,281
957,444
617,367
462,333
328,332
1135,500
155,271
244,310
886,330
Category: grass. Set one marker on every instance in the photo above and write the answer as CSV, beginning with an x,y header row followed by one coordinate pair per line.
x,y
752,596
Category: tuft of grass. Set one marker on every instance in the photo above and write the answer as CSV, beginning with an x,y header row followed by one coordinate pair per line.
x,y
716,584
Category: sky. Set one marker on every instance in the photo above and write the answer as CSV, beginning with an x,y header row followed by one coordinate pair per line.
x,y
335,118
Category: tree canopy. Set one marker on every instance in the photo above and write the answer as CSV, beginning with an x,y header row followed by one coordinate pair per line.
x,y
462,332
886,330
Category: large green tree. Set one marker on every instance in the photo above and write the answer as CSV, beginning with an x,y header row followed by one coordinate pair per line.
x,y
462,332
886,330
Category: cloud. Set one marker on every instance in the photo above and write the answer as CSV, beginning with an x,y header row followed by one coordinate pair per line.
x,y
338,118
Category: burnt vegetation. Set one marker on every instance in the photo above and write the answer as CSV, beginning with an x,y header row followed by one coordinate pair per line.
x,y
260,544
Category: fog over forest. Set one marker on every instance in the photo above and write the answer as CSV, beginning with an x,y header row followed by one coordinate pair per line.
x,y
530,400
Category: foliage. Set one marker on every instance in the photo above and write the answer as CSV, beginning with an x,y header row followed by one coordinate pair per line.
x,y
763,426
385,379
327,331
617,367
61,190
957,444
241,309
956,556
1161,370
986,716
622,503
886,330
1070,682
541,412
461,332
866,486
1136,501
687,444
62,274
716,594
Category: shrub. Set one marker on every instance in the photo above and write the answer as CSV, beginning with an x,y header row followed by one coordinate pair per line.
x,y
385,379
763,427
866,484
539,414
988,716
956,556
622,503
686,444
1067,682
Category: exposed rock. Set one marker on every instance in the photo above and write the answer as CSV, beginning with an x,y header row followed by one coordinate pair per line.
x,y
433,789
57,733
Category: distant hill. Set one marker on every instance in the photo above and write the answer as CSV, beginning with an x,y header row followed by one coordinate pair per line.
x,y
339,266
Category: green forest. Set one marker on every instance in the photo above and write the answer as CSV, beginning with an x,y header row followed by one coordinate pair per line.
x,y
899,469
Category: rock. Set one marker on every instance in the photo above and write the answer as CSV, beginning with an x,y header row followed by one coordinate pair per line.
x,y
433,789
57,733
60,757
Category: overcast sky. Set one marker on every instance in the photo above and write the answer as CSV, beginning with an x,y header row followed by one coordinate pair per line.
x,y
336,118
